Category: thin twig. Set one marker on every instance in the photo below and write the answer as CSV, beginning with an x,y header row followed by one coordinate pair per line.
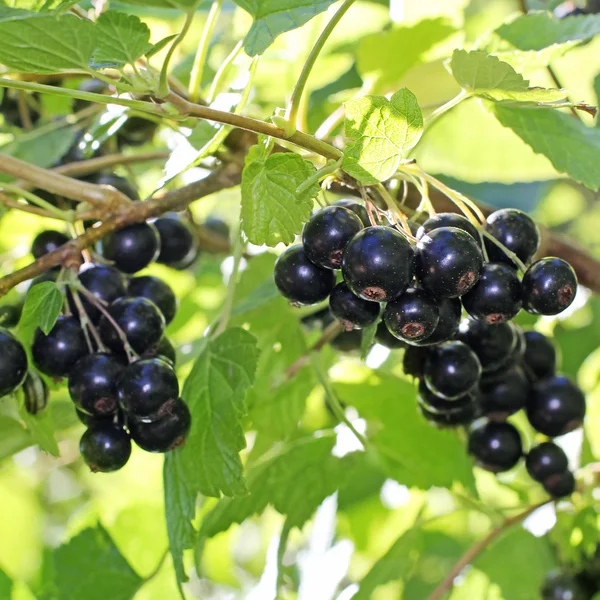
x,y
281,547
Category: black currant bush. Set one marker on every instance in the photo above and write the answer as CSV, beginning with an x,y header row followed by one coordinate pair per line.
x,y
338,270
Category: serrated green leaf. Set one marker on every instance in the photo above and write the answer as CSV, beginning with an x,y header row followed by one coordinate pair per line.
x,y
484,75
571,146
381,132
274,17
42,307
272,211
120,39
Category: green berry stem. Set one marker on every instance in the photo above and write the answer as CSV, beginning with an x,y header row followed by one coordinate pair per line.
x,y
281,548
62,215
223,71
436,114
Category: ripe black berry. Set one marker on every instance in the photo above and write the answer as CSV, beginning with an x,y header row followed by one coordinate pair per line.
x,y
412,316
549,286
437,405
463,414
559,585
451,370
105,283
385,338
450,310
326,235
145,386
132,248
556,406
301,281
506,394
119,183
540,355
560,485
105,447
167,432
156,290
545,460
94,420
164,349
140,320
353,312
56,353
515,230
496,297
496,446
136,131
448,220
13,363
46,242
357,208
93,384
493,344
413,361
378,264
177,244
448,262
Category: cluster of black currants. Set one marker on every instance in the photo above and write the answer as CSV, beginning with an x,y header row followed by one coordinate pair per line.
x,y
416,288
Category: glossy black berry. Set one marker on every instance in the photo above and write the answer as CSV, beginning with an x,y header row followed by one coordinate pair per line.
x,y
450,310
352,312
462,414
326,235
506,394
116,418
493,344
451,370
105,447
13,363
385,338
413,361
549,286
560,485
300,280
496,297
132,248
516,231
556,406
413,316
119,183
164,349
105,283
540,355
56,353
496,446
93,384
559,585
167,432
448,220
145,386
47,241
546,460
136,131
448,262
177,244
357,208
156,290
437,405
10,315
140,320
378,264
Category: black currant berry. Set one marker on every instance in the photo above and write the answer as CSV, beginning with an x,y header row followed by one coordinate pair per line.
x,y
105,447
167,432
506,394
136,131
145,386
516,231
156,290
177,244
47,241
413,361
357,208
451,370
131,248
463,414
448,262
105,283
93,384
164,350
496,446
450,310
493,344
140,320
412,316
352,312
385,338
377,264
119,183
94,421
448,220
437,405
546,460
326,235
559,585
556,406
56,353
560,485
300,280
540,355
496,297
10,315
13,363
549,286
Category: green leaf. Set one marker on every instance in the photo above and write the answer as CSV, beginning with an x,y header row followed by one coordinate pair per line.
x,y
389,55
93,553
274,17
571,146
6,585
380,132
272,211
41,428
42,307
484,75
120,39
368,337
179,4
156,48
